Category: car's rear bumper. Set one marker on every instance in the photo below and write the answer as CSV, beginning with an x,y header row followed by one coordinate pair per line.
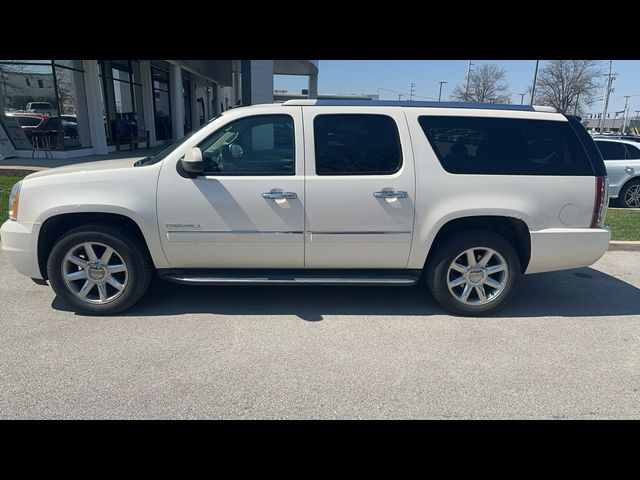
x,y
562,248
20,245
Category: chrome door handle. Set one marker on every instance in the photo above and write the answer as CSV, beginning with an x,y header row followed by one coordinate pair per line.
x,y
391,194
279,195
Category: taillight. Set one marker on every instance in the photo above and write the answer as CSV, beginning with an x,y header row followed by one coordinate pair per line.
x,y
600,203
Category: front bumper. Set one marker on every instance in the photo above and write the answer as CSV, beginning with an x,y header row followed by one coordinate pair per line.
x,y
563,248
20,245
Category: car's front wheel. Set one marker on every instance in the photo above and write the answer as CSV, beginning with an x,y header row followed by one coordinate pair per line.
x,y
473,273
99,269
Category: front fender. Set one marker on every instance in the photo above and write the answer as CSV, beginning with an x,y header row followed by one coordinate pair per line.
x,y
149,229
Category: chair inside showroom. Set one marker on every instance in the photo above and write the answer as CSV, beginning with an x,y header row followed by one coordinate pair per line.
x,y
41,141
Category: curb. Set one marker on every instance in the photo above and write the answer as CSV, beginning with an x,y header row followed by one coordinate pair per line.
x,y
619,245
625,209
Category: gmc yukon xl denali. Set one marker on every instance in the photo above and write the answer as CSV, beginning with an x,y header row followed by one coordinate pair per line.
x,y
467,196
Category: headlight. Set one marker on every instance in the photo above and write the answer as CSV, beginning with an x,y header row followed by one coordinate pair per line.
x,y
14,200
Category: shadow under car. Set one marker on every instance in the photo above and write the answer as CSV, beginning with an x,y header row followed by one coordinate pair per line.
x,y
571,293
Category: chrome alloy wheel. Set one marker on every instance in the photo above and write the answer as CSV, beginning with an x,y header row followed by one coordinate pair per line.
x,y
94,272
477,276
632,196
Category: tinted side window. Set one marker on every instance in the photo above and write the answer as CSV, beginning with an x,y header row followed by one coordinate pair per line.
x,y
611,150
632,152
356,145
505,146
256,145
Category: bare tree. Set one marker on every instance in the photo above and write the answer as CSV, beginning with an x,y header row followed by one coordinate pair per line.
x,y
65,90
568,85
486,85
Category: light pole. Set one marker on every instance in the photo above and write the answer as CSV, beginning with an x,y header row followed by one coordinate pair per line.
x,y
521,98
440,94
624,113
607,92
468,77
535,78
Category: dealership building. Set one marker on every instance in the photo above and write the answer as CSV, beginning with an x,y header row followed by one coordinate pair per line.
x,y
593,123
98,106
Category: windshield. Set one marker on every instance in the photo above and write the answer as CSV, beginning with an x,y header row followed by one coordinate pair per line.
x,y
41,105
164,153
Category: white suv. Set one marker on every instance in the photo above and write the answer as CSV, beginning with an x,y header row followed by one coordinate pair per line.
x,y
325,192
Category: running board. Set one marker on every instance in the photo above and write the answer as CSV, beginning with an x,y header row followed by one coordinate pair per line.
x,y
292,277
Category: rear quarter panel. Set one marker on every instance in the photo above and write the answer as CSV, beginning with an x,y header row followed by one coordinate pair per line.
x,y
539,201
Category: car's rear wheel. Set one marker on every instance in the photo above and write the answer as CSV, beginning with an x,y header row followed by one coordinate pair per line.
x,y
473,273
99,269
630,195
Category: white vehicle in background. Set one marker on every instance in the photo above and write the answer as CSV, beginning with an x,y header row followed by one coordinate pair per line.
x,y
41,107
326,192
622,159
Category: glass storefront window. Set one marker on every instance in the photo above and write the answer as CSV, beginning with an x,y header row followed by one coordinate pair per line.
x,y
29,98
73,113
163,115
186,95
20,86
46,100
161,104
122,98
124,101
160,79
137,99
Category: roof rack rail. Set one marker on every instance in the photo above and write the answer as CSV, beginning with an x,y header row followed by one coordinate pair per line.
x,y
405,103
544,108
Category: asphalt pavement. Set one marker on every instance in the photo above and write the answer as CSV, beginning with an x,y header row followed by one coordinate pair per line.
x,y
567,347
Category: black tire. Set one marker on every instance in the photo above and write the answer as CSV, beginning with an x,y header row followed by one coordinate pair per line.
x,y
620,201
449,249
132,252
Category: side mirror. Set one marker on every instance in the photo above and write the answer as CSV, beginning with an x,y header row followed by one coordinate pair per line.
x,y
192,161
